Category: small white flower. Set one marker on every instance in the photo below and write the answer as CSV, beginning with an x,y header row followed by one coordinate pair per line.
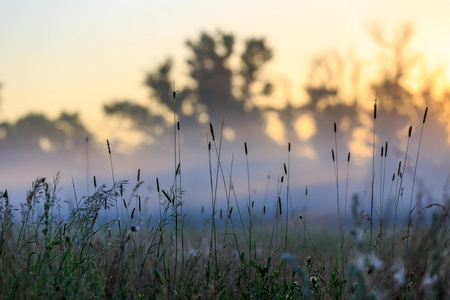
x,y
399,275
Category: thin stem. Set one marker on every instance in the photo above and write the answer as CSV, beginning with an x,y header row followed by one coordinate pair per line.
x,y
414,180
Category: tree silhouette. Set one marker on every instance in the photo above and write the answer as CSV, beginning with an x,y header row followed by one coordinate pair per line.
x,y
35,132
213,94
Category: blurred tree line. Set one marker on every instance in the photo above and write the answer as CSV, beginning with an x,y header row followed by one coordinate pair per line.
x,y
230,85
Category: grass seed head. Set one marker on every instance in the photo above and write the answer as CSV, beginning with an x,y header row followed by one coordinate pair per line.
x,y
279,203
375,109
425,115
409,131
212,131
229,214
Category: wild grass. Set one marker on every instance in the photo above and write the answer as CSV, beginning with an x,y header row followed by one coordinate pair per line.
x,y
85,256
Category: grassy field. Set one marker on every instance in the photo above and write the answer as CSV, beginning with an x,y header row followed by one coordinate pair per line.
x,y
236,254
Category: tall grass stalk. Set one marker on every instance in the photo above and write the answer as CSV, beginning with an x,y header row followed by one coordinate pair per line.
x,y
287,173
373,172
345,207
213,240
413,183
175,198
304,222
336,175
401,175
87,165
181,200
249,207
113,180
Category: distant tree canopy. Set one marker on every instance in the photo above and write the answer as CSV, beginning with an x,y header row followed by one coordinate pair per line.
x,y
217,90
37,132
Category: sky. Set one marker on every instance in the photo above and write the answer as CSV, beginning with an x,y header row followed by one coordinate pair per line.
x,y
77,55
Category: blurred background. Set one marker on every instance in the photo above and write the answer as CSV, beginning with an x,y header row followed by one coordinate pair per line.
x,y
74,74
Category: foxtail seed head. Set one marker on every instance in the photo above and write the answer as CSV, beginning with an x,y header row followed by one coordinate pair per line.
x,y
375,109
425,115
212,131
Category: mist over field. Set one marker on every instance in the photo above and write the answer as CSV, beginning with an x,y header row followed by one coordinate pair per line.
x,y
266,159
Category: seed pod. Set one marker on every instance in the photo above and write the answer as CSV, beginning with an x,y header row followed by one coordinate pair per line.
x,y
375,109
425,115
279,204
212,131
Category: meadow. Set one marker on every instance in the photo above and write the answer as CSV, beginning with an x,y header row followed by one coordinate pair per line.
x,y
107,247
